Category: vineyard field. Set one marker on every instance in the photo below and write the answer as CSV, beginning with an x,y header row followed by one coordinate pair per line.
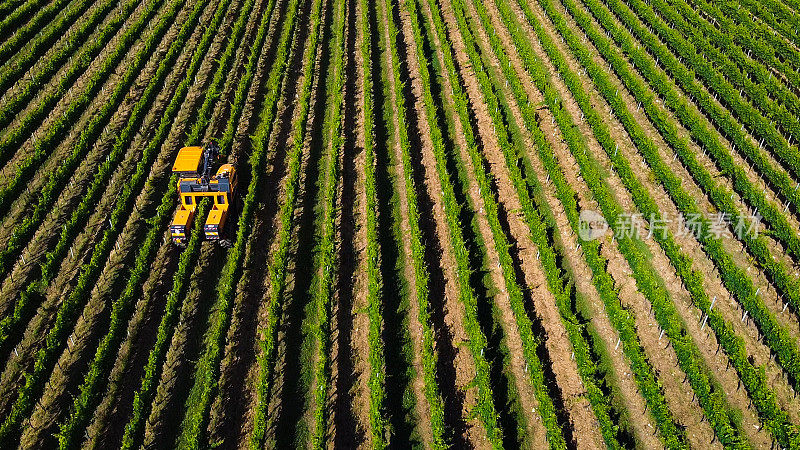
x,y
564,224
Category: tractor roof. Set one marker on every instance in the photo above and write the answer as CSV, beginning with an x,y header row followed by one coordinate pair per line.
x,y
188,160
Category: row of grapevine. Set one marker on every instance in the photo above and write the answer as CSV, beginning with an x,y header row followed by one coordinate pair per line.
x,y
793,4
207,368
648,284
733,344
44,37
213,91
374,283
745,112
769,41
757,48
776,104
723,120
70,306
29,87
735,279
692,280
619,317
152,371
83,404
753,379
767,94
765,82
780,227
277,269
546,408
57,130
186,263
17,15
773,14
586,365
325,263
439,437
8,6
13,25
57,179
26,125
42,43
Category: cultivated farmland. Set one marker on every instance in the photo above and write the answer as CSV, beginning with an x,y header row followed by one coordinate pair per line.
x,y
458,224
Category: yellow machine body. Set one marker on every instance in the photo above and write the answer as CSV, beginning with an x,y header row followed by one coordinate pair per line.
x,y
194,185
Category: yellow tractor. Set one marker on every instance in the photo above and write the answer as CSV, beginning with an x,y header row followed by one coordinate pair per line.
x,y
194,166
